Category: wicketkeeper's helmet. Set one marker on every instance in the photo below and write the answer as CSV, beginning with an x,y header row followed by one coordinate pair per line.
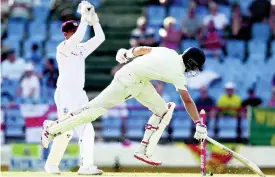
x,y
69,26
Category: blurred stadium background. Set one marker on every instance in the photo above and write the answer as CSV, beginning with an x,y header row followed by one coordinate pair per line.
x,y
236,86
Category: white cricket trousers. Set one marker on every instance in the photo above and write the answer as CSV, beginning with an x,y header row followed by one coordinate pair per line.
x,y
66,100
127,86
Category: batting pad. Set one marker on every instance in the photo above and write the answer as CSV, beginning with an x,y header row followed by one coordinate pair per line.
x,y
154,139
73,119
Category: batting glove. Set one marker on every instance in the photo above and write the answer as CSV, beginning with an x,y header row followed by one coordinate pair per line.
x,y
201,131
121,56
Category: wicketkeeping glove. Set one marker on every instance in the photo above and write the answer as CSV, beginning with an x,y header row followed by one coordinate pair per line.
x,y
201,131
87,11
85,6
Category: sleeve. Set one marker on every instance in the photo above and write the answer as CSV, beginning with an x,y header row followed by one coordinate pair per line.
x,y
77,37
180,83
94,42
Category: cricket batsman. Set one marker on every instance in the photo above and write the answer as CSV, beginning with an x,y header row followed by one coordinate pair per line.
x,y
143,64
71,55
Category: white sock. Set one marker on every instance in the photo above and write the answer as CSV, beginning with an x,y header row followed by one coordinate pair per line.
x,y
58,149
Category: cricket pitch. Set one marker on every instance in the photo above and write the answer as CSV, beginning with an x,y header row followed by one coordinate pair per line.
x,y
70,174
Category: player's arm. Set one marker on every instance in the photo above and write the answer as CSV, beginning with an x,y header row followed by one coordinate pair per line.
x,y
201,131
94,42
78,36
123,55
189,104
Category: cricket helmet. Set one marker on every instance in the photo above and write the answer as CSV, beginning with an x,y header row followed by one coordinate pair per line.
x,y
69,26
193,59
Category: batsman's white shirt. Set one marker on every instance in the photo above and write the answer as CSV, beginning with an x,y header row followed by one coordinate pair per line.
x,y
160,64
133,80
71,55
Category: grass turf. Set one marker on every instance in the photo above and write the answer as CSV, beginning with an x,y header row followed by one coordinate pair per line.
x,y
70,174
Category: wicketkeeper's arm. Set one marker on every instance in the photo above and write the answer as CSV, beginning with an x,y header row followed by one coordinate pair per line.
x,y
95,41
78,36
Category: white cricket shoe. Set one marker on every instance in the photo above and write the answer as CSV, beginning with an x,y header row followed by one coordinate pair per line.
x,y
93,170
52,169
149,160
46,138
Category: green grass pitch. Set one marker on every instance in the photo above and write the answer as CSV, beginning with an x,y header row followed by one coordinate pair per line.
x,y
69,174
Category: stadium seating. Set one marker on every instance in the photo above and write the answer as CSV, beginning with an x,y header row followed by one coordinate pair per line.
x,y
14,123
95,3
227,127
28,47
226,10
201,11
257,48
178,13
40,13
273,48
261,31
50,47
210,127
244,128
10,86
155,15
16,29
135,127
182,3
37,30
55,32
245,6
5,101
181,127
111,127
45,3
235,48
189,43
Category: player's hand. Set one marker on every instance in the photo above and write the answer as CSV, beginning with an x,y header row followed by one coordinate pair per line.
x,y
84,7
92,18
201,132
120,56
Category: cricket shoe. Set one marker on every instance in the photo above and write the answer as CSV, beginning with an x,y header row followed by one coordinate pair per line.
x,y
46,138
52,169
93,170
149,160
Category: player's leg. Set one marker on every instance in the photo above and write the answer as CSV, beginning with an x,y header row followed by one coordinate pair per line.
x,y
162,114
113,95
60,143
86,143
86,136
